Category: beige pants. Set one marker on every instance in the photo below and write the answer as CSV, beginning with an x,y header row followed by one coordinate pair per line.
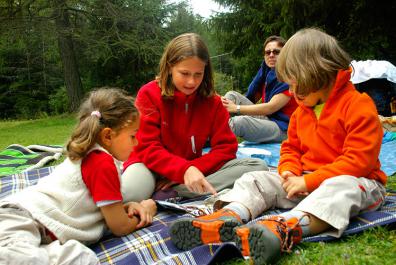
x,y
335,201
22,241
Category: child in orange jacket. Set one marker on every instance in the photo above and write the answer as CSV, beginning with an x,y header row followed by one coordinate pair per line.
x,y
328,171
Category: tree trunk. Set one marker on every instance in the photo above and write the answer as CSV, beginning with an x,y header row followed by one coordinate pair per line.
x,y
66,50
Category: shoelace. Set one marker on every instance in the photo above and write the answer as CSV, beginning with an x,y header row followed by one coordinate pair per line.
x,y
287,233
284,232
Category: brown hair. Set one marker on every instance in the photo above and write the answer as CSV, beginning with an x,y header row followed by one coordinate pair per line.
x,y
180,48
311,58
103,108
281,41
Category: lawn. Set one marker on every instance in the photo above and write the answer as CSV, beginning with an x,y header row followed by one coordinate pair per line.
x,y
375,246
52,130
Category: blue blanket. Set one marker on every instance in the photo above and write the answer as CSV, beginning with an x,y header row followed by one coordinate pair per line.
x,y
387,155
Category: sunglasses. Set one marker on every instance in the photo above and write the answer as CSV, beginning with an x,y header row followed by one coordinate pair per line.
x,y
274,51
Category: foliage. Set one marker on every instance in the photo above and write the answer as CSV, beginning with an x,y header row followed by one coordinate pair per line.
x,y
223,83
364,27
119,43
28,72
58,101
115,43
122,41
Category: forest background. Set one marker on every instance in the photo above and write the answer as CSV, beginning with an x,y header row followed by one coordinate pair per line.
x,y
53,51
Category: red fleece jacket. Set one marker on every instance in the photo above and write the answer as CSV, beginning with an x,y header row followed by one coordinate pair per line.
x,y
345,140
173,132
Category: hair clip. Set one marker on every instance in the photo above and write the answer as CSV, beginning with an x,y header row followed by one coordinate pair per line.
x,y
96,113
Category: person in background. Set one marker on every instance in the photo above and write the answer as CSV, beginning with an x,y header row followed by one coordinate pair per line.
x,y
328,171
48,223
263,114
180,113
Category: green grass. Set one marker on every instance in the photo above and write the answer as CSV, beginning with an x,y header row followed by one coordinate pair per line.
x,y
53,130
374,246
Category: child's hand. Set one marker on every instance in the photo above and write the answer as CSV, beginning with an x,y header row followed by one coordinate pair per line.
x,y
285,175
195,181
131,208
145,212
294,185
151,206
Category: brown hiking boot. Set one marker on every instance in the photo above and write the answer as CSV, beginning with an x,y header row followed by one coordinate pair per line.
x,y
265,240
217,227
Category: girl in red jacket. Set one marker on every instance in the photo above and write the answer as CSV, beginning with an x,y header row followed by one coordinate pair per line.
x,y
328,170
180,113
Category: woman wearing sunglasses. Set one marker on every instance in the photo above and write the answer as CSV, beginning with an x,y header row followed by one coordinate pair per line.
x,y
262,115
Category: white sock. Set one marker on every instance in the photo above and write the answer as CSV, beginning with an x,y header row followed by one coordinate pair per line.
x,y
302,217
239,209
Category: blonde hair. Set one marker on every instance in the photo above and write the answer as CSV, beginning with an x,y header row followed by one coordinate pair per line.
x,y
182,47
105,107
311,58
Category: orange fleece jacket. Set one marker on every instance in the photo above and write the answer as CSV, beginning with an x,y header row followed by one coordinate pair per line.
x,y
345,140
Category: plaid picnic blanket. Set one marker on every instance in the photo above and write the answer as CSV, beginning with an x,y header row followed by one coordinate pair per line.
x,y
17,158
152,245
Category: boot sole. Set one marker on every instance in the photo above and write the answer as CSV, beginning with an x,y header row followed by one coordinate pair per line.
x,y
187,233
264,246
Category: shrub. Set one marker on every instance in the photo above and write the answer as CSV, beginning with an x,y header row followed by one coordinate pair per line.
x,y
58,101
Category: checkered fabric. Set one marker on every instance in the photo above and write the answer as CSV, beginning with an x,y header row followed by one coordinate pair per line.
x,y
152,245
14,183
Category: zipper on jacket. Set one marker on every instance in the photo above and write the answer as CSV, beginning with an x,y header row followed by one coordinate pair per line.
x,y
186,108
193,144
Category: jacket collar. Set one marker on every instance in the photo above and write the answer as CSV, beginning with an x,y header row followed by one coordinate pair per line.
x,y
341,83
340,86
181,97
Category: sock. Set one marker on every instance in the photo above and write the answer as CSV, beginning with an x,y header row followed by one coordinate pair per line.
x,y
304,220
239,209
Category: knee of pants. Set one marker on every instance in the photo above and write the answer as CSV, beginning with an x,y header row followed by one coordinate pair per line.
x,y
247,179
266,182
137,183
258,164
244,187
236,125
231,95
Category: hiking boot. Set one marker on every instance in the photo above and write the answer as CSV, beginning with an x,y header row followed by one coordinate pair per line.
x,y
265,240
189,232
